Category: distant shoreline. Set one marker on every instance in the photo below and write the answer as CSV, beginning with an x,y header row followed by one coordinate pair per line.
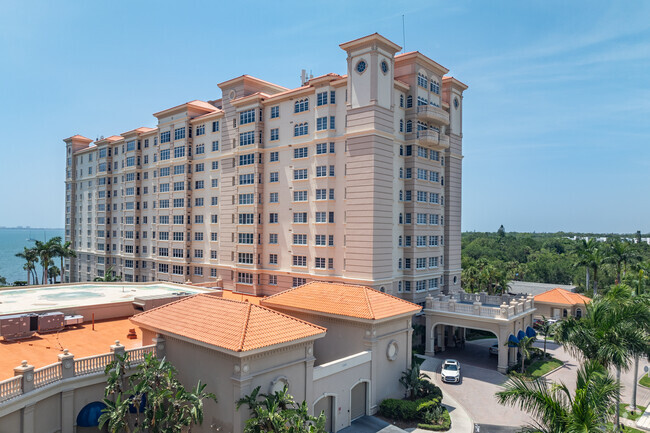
x,y
31,228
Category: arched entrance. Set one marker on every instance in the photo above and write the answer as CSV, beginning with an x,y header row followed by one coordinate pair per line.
x,y
326,406
88,417
358,399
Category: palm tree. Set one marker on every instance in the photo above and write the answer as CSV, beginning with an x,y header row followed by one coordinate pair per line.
x,y
63,251
596,258
108,276
620,254
52,273
412,380
613,331
582,251
30,255
46,252
545,329
524,346
557,411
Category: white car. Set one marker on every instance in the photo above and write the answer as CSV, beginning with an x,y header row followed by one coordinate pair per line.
x,y
450,371
494,349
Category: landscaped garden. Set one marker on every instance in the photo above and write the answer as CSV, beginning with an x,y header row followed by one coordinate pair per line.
x,y
645,381
420,408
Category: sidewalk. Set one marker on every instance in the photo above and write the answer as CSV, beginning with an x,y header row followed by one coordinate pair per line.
x,y
643,422
461,422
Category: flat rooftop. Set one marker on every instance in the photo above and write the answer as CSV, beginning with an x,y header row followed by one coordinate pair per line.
x,y
80,340
59,296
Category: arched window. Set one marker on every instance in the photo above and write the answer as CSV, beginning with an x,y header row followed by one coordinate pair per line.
x,y
422,80
399,242
301,129
301,105
578,313
409,126
401,193
409,101
401,174
401,218
442,181
435,87
401,101
401,150
565,313
401,125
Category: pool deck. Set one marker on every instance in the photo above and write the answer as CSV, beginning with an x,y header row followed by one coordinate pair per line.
x,y
80,340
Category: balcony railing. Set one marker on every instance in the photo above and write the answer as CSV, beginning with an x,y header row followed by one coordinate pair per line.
x,y
432,138
433,113
481,304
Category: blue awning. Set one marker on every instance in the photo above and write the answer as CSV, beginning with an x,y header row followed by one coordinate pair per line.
x,y
530,332
512,341
89,414
520,335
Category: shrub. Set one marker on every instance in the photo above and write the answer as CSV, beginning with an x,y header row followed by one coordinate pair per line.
x,y
429,390
408,410
443,422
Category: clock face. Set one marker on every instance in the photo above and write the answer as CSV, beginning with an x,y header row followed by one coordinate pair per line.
x,y
361,66
384,67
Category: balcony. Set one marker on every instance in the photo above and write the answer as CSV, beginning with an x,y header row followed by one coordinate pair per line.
x,y
433,114
504,307
433,138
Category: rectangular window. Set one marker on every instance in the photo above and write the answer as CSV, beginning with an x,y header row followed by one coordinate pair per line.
x,y
246,198
319,263
321,194
321,148
179,202
178,219
275,112
179,169
215,126
321,99
163,171
199,184
247,116
273,259
299,239
273,238
300,196
321,123
273,280
247,179
300,174
273,218
299,261
179,151
200,149
274,157
274,177
199,167
198,201
332,122
321,240
215,146
164,137
214,201
297,281
275,134
178,236
245,238
321,217
215,165
164,154
246,218
163,204
245,258
247,159
321,171
300,217
215,183
244,278
246,138
300,152
273,197
332,147
332,97
179,133
198,254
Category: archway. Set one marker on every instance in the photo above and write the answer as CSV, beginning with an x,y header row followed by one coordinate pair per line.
x,y
358,399
470,344
88,417
326,405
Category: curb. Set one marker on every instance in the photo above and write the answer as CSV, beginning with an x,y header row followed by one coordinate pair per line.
x,y
554,370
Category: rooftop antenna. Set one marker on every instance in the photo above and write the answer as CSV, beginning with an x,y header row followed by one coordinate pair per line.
x,y
303,77
403,35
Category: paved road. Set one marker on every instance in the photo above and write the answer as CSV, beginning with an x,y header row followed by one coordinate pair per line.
x,y
481,381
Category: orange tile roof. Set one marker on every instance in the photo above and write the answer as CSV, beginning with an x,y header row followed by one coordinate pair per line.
x,y
343,300
561,296
233,325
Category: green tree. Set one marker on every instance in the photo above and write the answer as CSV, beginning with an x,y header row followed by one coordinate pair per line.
x,y
64,251
414,381
582,250
620,254
3,281
52,273
279,413
30,255
553,407
545,329
613,331
167,406
108,276
46,253
524,346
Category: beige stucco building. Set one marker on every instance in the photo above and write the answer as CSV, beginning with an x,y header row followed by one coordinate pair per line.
x,y
348,178
342,358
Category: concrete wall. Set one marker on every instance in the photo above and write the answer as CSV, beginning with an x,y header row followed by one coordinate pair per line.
x,y
556,311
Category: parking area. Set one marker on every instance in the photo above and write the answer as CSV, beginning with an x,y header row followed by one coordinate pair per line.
x,y
474,353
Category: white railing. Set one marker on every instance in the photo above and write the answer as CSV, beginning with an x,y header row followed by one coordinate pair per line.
x,y
493,300
10,388
490,311
465,308
48,374
136,356
92,364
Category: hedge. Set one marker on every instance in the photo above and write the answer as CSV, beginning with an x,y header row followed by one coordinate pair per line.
x,y
407,410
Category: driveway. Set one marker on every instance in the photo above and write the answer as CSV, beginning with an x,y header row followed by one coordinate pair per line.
x,y
481,381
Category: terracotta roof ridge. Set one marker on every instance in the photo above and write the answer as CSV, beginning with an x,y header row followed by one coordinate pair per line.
x,y
165,305
368,303
245,328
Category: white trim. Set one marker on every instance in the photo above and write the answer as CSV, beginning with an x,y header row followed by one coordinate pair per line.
x,y
342,364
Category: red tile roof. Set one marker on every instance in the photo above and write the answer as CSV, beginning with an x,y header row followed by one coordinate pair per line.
x,y
561,296
233,325
343,300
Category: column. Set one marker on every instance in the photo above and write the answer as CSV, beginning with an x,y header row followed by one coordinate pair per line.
x,y
67,364
67,411
159,341
27,372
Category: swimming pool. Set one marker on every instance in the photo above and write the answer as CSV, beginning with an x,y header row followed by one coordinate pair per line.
x,y
65,296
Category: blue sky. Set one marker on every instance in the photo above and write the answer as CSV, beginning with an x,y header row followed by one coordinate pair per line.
x,y
556,121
